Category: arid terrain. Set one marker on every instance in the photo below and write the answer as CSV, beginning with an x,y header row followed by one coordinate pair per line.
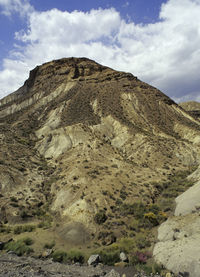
x,y
91,160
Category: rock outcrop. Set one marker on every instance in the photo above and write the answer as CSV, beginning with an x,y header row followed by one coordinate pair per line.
x,y
178,246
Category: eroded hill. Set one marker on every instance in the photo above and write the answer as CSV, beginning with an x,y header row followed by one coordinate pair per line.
x,y
84,146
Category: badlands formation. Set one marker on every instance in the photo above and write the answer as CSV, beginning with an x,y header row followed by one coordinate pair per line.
x,y
84,146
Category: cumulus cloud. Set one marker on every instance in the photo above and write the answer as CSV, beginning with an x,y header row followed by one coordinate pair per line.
x,y
22,7
165,54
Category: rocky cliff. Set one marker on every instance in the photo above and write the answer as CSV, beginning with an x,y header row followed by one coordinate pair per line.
x,y
80,142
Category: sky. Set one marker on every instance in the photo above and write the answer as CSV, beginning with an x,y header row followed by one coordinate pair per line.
x,y
156,40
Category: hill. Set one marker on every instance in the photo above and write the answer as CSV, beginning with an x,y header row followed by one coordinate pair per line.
x,y
88,154
192,107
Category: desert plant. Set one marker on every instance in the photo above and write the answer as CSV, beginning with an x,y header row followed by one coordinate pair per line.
x,y
151,218
28,228
23,228
142,241
13,199
139,257
28,241
19,247
49,245
75,257
44,224
100,217
5,229
59,256
126,244
17,230
109,257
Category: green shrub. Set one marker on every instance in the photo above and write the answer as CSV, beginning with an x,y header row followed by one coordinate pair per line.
x,y
59,256
156,268
13,199
24,214
148,269
29,228
142,241
136,209
151,218
123,194
75,257
144,268
118,202
49,245
23,228
109,258
134,225
126,244
28,241
44,224
17,230
20,247
100,217
5,229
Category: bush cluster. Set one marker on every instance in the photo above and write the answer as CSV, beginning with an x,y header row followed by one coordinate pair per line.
x,y
23,228
72,257
100,217
20,247
109,257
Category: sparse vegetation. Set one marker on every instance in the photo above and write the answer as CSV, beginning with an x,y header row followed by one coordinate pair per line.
x,y
75,256
100,217
59,256
5,229
109,256
23,228
20,247
49,245
123,161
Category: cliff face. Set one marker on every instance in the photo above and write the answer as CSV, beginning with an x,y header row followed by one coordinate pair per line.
x,y
78,136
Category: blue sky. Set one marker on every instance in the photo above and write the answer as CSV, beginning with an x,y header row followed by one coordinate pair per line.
x,y
141,11
156,40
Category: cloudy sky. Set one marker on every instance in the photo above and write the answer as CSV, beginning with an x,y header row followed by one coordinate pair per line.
x,y
156,40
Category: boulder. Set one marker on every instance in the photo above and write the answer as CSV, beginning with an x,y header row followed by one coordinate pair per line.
x,y
123,257
189,201
94,259
46,253
168,274
178,246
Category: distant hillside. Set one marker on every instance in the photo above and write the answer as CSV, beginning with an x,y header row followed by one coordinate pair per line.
x,y
192,107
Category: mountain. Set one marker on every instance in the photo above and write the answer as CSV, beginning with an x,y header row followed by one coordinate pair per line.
x,y
91,155
192,107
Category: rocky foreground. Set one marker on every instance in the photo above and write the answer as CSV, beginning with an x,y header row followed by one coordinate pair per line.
x,y
14,266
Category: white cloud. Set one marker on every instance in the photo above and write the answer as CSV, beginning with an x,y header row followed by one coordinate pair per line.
x,y
22,7
165,54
